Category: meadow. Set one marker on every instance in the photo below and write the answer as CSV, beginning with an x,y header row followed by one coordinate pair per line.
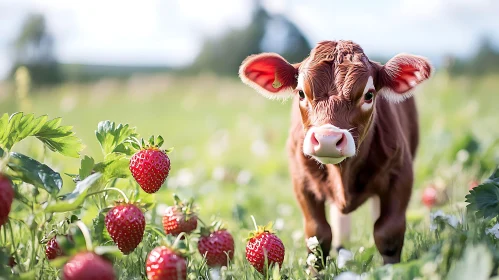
x,y
229,155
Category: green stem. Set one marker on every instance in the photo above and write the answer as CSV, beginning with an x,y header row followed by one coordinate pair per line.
x,y
156,230
86,235
109,189
18,260
254,223
177,240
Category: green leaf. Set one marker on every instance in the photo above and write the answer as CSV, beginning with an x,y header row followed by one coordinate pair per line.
x,y
115,165
112,137
476,264
87,165
56,137
484,200
494,177
33,172
73,200
98,227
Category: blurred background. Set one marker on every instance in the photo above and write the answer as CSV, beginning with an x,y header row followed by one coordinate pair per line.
x,y
170,68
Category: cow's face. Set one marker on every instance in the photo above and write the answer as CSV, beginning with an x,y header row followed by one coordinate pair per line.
x,y
337,87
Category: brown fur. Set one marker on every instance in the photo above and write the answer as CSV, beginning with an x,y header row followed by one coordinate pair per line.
x,y
386,138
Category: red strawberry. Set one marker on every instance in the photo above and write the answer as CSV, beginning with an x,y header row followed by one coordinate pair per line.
x,y
164,263
429,196
52,249
12,261
150,166
263,242
217,245
88,265
126,224
180,217
6,198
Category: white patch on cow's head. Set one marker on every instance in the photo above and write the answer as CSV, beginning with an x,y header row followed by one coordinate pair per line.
x,y
369,86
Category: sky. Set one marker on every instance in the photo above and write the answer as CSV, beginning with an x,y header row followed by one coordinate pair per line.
x,y
170,32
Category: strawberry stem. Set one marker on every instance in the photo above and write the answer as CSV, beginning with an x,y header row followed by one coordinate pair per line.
x,y
86,235
110,189
177,240
254,223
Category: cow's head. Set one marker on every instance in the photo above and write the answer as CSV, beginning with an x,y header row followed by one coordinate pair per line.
x,y
337,87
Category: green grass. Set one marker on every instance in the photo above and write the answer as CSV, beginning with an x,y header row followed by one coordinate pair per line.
x,y
217,124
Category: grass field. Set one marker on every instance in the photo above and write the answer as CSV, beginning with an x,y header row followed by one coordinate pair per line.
x,y
230,153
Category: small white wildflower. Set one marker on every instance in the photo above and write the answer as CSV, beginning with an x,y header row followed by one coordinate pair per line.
x,y
260,148
218,173
279,224
343,257
297,236
215,273
462,156
348,275
452,220
493,230
312,243
244,177
311,259
361,249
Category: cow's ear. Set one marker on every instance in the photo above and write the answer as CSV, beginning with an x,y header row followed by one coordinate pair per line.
x,y
401,74
269,74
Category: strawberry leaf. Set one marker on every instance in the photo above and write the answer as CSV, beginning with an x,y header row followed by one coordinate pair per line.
x,y
484,199
112,137
98,227
87,165
33,172
160,141
74,200
115,165
56,137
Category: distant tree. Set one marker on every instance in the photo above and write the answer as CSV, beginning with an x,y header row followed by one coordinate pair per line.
x,y
223,55
485,60
34,48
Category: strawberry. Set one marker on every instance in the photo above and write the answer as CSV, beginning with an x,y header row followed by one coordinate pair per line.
x,y
52,249
264,243
125,223
164,263
181,217
150,166
6,198
88,265
217,245
429,198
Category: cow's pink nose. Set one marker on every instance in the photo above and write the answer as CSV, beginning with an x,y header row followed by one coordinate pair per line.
x,y
328,143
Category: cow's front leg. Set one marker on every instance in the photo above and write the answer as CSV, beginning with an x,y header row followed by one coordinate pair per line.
x,y
390,227
314,217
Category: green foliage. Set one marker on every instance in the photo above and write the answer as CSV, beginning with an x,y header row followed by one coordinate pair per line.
x,y
74,200
112,137
484,199
476,264
56,137
33,172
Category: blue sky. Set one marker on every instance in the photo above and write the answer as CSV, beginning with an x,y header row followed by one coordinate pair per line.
x,y
169,32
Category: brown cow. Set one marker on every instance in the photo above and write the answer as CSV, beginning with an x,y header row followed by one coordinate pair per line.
x,y
353,136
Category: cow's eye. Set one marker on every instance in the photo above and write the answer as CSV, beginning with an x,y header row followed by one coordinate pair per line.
x,y
368,97
301,94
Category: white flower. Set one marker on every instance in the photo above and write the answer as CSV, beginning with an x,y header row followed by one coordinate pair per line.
x,y
218,173
312,243
348,275
215,274
297,235
311,259
361,249
244,177
343,256
493,230
279,224
452,220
